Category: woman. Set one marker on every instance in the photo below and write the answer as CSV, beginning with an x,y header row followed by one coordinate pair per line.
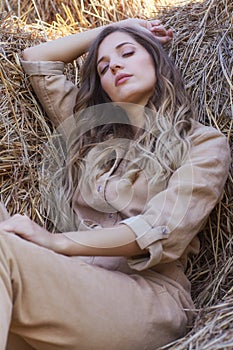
x,y
141,176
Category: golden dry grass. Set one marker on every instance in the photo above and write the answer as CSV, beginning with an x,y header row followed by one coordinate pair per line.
x,y
85,13
203,50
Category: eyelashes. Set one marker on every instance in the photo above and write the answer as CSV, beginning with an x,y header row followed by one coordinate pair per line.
x,y
103,70
128,54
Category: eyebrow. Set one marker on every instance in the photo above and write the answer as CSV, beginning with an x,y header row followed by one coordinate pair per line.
x,y
117,47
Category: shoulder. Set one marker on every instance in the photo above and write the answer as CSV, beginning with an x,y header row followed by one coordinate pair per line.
x,y
199,130
200,134
206,142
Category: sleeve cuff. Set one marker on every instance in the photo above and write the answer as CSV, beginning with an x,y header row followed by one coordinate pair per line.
x,y
43,67
147,237
145,233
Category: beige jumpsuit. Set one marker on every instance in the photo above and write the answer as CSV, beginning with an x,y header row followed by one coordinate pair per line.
x,y
112,303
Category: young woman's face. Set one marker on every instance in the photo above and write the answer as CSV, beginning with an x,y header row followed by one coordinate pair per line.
x,y
126,69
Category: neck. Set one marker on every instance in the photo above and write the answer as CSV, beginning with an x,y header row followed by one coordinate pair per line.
x,y
135,114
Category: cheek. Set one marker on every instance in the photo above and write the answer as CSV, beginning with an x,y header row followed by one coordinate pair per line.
x,y
151,74
106,86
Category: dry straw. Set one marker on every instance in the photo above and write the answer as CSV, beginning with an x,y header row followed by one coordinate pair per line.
x,y
203,50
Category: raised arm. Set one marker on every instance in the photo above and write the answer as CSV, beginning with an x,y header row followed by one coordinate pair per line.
x,y
68,48
64,49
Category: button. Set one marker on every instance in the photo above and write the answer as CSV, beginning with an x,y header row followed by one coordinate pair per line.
x,y
111,215
99,188
164,230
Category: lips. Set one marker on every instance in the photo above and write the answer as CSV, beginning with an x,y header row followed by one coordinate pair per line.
x,y
121,78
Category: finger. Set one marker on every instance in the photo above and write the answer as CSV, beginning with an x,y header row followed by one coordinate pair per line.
x,y
6,224
164,39
10,224
14,223
155,22
6,227
170,33
159,30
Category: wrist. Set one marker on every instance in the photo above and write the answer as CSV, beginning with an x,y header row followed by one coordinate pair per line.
x,y
59,243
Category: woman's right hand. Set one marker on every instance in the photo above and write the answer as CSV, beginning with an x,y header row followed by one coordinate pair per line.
x,y
23,226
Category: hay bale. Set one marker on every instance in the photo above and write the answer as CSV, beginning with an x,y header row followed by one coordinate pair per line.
x,y
84,13
203,50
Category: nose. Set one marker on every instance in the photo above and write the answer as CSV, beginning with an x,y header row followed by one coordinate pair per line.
x,y
115,65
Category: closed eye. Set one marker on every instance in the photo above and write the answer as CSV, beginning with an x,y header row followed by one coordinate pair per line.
x,y
104,69
128,53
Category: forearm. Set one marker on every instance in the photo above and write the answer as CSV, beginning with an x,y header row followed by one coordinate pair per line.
x,y
64,49
117,241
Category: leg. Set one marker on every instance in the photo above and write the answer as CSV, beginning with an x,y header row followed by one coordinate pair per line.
x,y
6,296
63,303
14,342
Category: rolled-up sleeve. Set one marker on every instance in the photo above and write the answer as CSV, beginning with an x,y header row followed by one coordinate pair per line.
x,y
56,94
173,217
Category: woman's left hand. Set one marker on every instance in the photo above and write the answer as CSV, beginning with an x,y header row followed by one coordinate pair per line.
x,y
155,27
24,227
159,31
